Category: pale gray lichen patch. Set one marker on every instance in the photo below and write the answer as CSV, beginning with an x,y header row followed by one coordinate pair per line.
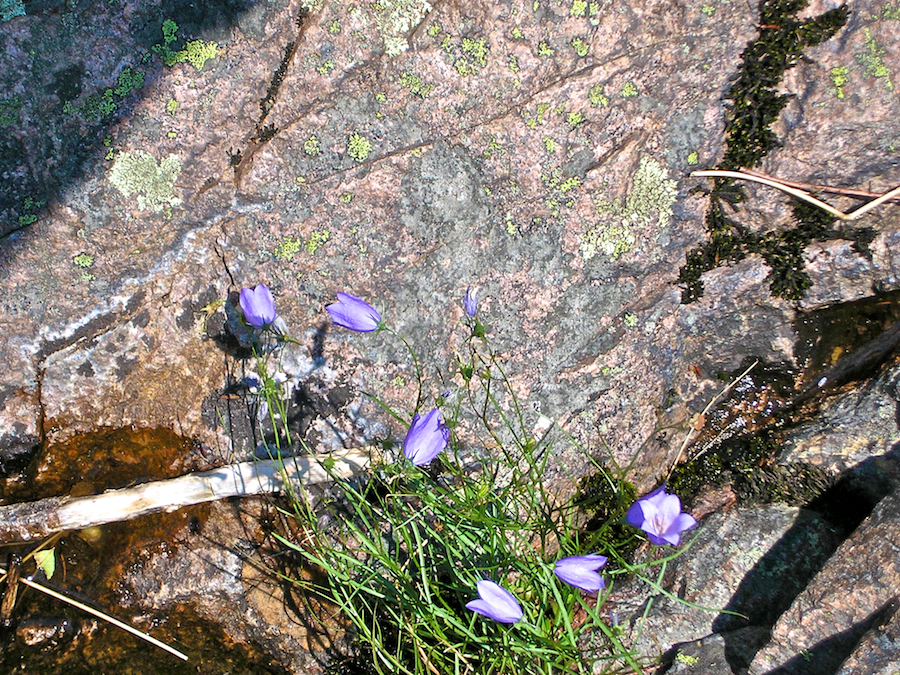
x,y
395,19
650,199
139,174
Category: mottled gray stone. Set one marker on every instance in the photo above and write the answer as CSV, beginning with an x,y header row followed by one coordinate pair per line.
x,y
879,651
829,618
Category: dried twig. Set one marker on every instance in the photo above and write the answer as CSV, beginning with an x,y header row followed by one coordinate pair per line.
x,y
802,194
101,615
815,187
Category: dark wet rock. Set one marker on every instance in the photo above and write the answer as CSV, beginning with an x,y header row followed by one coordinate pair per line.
x,y
44,631
853,593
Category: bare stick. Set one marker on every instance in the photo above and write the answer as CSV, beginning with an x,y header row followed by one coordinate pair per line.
x,y
801,194
814,187
36,520
105,617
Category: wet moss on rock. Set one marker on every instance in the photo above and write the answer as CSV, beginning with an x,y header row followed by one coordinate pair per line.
x,y
754,104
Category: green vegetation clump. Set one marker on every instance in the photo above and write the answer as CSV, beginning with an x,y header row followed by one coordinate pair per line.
x,y
754,104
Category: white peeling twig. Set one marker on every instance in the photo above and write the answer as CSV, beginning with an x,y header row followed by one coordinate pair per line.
x,y
35,520
802,194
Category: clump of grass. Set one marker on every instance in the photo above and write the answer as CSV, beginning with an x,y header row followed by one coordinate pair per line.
x,y
402,547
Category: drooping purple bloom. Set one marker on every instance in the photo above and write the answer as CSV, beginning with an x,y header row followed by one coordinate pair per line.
x,y
581,571
426,438
258,306
495,602
470,302
353,313
659,515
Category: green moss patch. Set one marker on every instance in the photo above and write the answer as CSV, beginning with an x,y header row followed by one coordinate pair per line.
x,y
754,104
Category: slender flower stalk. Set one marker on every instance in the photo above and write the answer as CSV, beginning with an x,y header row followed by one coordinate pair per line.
x,y
353,313
426,439
258,306
659,515
495,602
581,571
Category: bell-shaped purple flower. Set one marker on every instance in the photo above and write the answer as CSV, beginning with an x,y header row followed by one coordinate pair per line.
x,y
426,438
495,602
258,306
353,313
659,515
581,571
470,302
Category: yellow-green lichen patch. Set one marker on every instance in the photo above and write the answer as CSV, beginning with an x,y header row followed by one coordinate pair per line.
x,y
629,90
152,182
358,147
311,146
545,50
83,260
195,52
891,11
693,158
415,84
395,20
650,199
580,46
316,239
596,97
840,77
538,118
573,119
872,61
287,248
